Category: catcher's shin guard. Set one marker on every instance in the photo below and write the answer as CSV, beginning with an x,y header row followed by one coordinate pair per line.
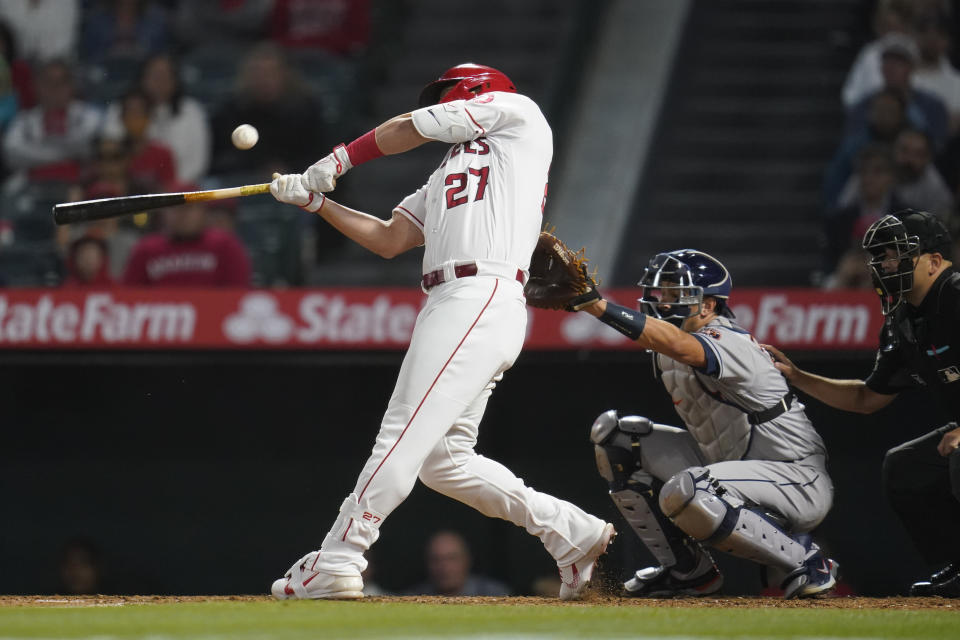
x,y
633,491
702,508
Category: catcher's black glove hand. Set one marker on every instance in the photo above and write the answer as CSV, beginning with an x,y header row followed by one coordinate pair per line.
x,y
558,277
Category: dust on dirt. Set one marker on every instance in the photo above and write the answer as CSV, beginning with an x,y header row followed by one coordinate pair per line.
x,y
591,600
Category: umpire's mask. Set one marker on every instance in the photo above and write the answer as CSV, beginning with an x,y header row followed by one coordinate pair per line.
x,y
892,252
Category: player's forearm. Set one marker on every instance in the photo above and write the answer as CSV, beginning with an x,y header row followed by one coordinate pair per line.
x,y
651,333
370,232
848,395
398,135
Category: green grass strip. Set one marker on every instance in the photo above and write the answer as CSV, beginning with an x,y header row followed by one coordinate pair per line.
x,y
355,620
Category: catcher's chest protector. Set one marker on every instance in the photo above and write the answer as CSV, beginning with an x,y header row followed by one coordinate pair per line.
x,y
721,430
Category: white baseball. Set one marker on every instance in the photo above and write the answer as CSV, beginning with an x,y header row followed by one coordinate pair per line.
x,y
244,136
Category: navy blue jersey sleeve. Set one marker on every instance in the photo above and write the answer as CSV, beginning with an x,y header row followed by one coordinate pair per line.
x,y
712,368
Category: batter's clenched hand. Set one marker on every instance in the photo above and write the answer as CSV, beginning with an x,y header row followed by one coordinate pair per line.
x,y
949,443
287,188
782,362
322,175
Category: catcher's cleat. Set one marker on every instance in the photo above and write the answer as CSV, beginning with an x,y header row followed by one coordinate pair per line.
x,y
302,582
945,582
817,576
575,577
660,582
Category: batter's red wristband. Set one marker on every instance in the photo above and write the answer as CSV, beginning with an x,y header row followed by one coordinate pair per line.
x,y
364,148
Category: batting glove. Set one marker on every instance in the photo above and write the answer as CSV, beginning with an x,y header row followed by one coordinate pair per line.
x,y
287,188
322,175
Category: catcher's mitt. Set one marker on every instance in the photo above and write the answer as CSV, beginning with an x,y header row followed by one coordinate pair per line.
x,y
558,277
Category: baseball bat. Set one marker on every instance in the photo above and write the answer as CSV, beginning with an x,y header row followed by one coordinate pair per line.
x,y
72,212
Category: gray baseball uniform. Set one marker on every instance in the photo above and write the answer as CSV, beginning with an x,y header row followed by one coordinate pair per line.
x,y
778,464
748,473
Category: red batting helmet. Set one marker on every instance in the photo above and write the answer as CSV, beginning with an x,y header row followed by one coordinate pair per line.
x,y
467,80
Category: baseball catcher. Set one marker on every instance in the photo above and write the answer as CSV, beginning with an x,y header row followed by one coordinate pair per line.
x,y
747,476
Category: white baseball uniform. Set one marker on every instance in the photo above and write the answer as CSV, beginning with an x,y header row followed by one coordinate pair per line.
x,y
480,213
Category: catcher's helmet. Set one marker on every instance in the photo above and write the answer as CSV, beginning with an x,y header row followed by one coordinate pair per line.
x,y
675,281
893,242
468,80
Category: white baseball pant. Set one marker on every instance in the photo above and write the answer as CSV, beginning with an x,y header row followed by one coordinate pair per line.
x,y
469,332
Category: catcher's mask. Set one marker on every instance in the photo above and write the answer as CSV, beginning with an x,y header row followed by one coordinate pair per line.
x,y
675,282
468,81
894,242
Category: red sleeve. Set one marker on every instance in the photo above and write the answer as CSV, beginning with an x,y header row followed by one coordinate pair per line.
x,y
135,273
234,264
166,166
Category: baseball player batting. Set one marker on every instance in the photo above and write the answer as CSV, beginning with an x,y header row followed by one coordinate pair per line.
x,y
747,476
478,218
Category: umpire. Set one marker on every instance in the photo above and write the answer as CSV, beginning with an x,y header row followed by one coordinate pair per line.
x,y
919,347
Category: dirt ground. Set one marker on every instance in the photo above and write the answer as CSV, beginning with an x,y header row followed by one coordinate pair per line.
x,y
591,600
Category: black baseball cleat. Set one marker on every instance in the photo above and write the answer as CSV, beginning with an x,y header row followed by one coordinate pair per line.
x,y
817,576
660,582
945,582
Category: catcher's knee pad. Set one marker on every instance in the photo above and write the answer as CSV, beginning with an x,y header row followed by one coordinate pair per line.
x,y
616,442
702,508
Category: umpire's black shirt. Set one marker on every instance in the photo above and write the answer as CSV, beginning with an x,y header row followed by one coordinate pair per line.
x,y
920,346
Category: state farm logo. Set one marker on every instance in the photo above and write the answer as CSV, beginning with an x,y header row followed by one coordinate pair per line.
x,y
100,318
321,318
828,323
258,318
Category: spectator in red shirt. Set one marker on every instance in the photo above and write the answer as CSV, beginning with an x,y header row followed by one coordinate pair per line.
x,y
151,164
88,264
189,253
338,26
21,75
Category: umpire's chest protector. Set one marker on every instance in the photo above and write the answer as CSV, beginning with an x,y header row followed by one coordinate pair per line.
x,y
721,430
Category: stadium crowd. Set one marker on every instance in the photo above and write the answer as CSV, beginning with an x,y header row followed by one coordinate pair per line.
x,y
103,98
901,138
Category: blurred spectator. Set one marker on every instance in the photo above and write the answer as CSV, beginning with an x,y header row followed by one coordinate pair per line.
x,y
874,198
448,570
124,29
224,23
222,214
176,120
925,111
44,29
934,73
271,97
864,77
852,271
88,263
80,568
8,96
337,26
110,178
21,75
885,119
151,165
52,138
188,253
919,184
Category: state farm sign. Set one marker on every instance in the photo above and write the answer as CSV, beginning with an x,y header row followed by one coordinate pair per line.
x,y
95,319
373,318
774,318
322,317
